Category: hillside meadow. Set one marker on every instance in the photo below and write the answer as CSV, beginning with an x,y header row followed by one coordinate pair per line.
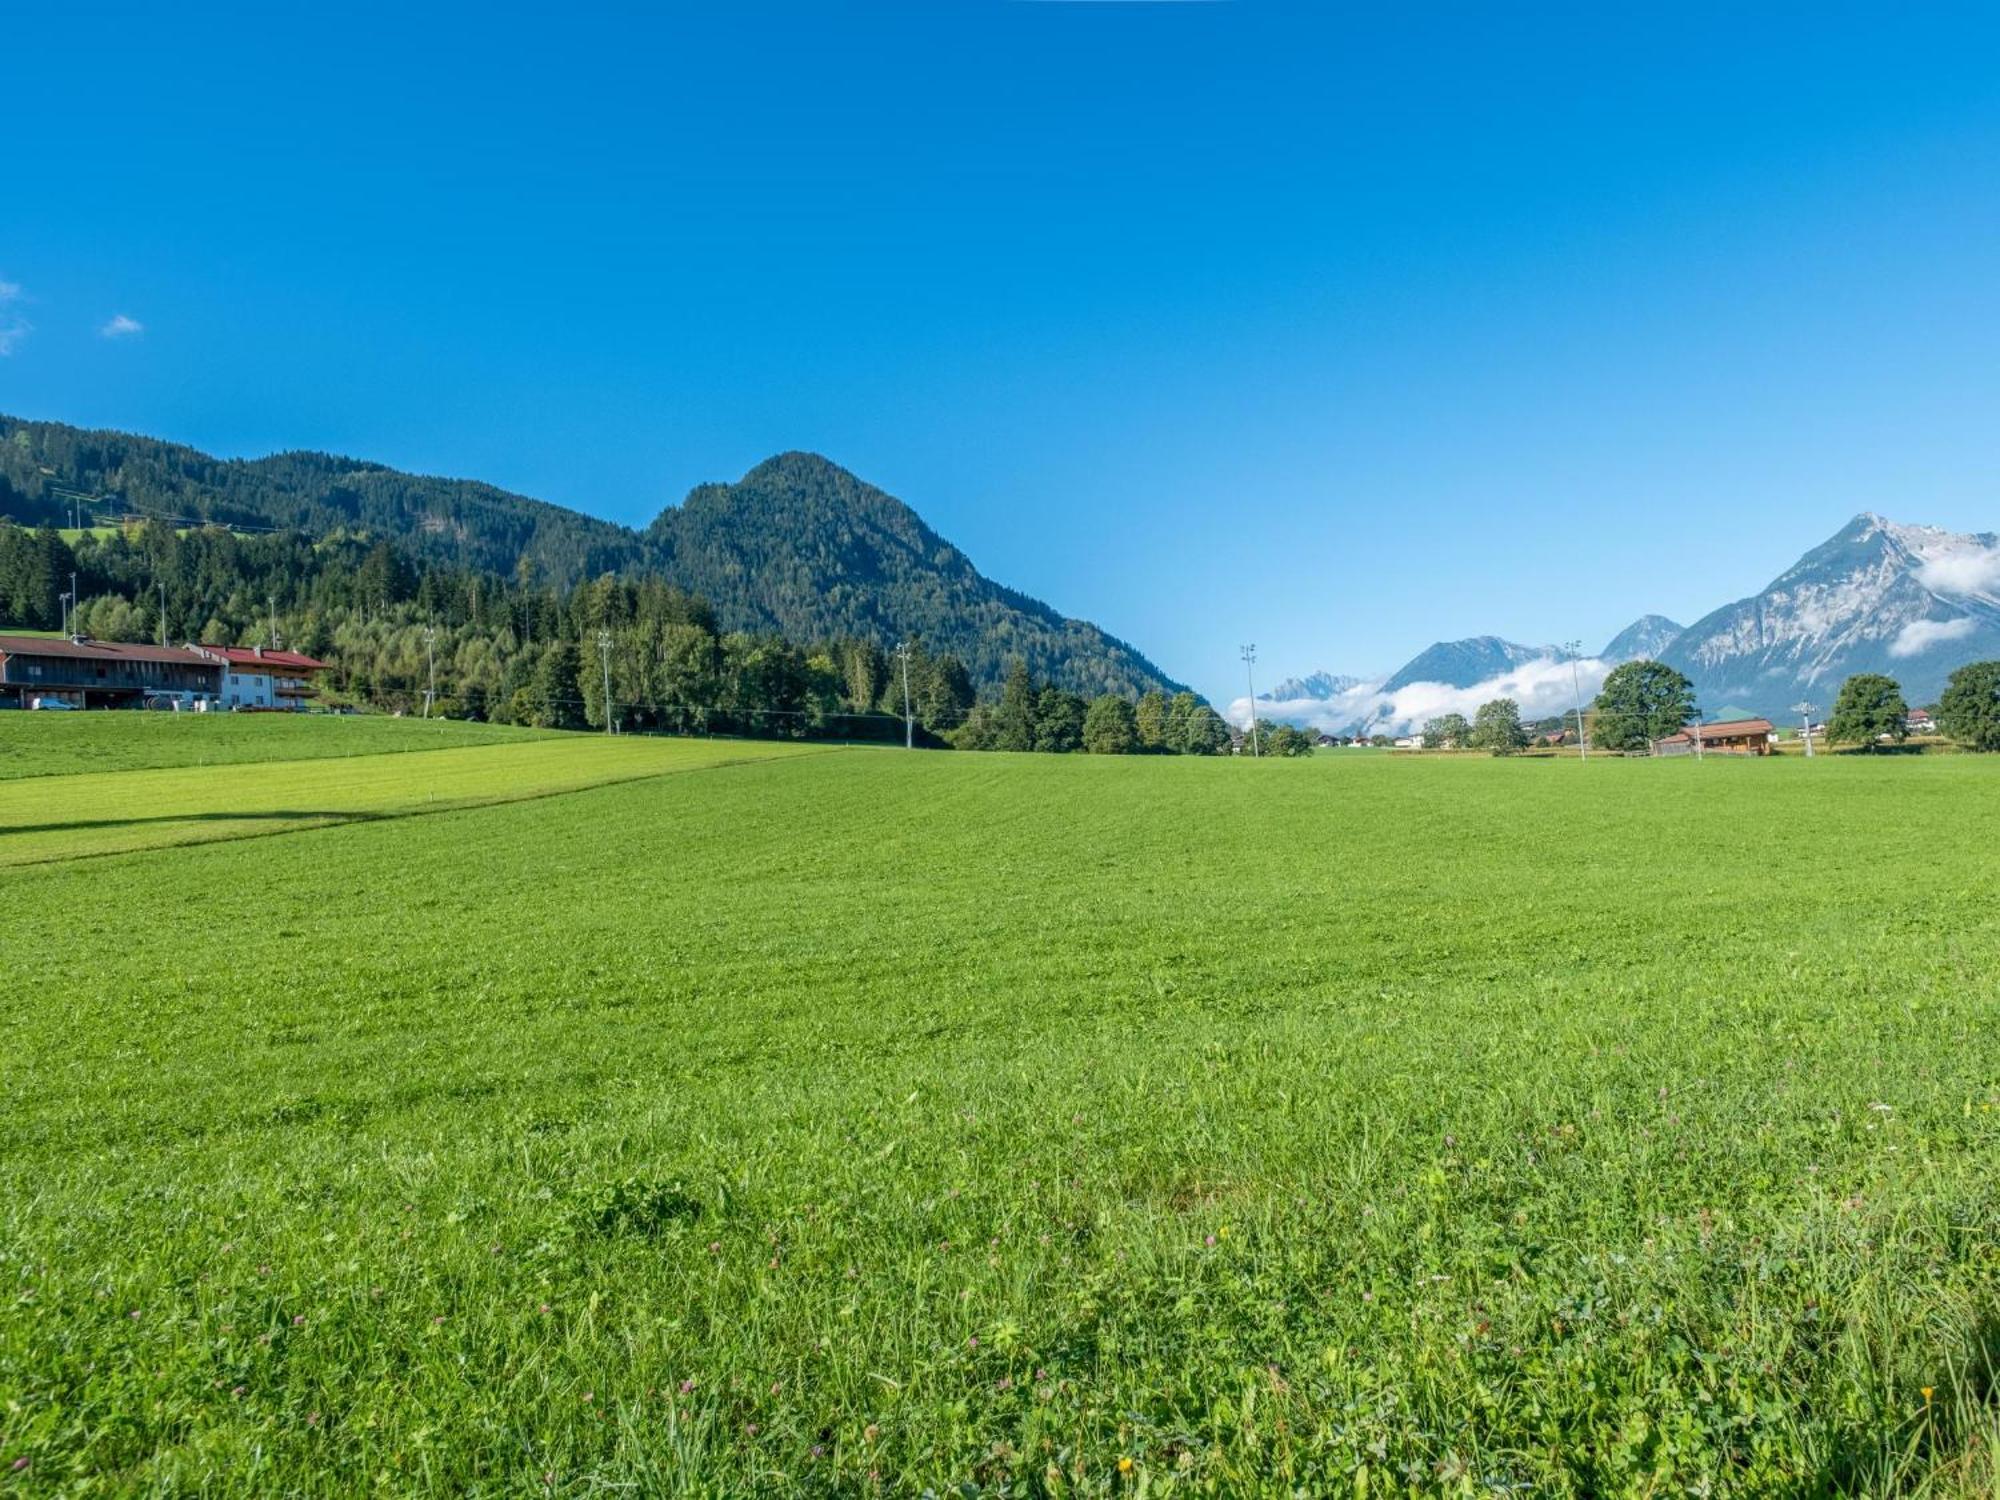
x,y
60,744
864,1122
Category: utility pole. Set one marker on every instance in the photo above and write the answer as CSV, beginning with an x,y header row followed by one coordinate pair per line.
x,y
909,724
1804,711
271,603
163,610
430,661
74,601
63,600
604,655
1250,677
1576,691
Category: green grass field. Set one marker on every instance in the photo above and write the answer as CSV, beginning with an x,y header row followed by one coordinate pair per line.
x,y
61,744
859,1122
44,819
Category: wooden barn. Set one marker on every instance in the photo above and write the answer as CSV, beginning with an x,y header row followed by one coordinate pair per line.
x,y
1725,737
99,674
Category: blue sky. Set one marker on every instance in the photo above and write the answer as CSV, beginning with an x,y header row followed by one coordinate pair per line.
x,y
1335,328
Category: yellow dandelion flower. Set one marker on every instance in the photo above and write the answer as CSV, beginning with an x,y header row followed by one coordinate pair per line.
x,y
1124,1466
1927,1395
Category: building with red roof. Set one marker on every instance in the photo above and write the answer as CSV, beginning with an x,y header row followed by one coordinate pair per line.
x,y
260,677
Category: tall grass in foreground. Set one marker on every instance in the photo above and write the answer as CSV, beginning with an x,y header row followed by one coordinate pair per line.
x,y
876,1123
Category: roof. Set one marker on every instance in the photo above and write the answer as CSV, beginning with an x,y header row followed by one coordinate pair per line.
x,y
1722,729
87,650
258,656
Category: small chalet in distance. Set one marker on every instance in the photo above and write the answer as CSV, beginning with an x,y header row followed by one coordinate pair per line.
x,y
253,677
1726,737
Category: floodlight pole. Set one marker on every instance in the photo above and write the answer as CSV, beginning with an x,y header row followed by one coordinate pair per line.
x,y
1250,677
909,724
430,659
1804,711
1576,692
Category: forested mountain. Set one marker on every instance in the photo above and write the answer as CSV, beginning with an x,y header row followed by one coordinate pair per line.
x,y
454,521
799,546
803,547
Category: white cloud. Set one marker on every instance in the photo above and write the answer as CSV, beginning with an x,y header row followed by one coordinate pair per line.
x,y
1964,570
13,327
1543,688
1921,635
122,327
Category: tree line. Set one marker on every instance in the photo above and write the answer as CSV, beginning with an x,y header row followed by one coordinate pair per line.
x,y
638,653
1044,717
1645,701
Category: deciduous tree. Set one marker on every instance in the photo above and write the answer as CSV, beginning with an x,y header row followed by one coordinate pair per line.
x,y
1109,728
1640,702
1058,721
1870,709
1969,711
1497,727
1447,732
1288,740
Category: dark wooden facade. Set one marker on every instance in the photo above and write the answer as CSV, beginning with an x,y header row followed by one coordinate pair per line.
x,y
99,674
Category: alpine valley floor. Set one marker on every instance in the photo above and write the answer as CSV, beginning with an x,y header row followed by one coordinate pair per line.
x,y
862,1122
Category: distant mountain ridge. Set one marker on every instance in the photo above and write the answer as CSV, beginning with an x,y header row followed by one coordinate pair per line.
x,y
1645,637
798,545
1312,685
1463,663
1878,596
1912,602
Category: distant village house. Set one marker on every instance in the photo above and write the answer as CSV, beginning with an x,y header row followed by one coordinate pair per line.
x,y
1727,737
45,671
253,677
